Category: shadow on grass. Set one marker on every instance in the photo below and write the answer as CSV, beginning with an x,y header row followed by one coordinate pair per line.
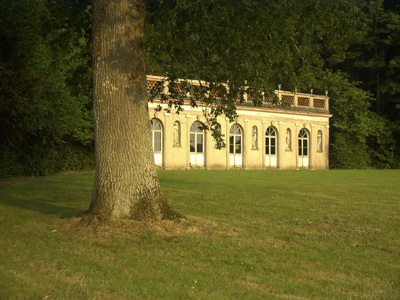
x,y
42,207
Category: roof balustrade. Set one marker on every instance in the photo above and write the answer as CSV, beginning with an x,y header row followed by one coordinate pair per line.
x,y
293,100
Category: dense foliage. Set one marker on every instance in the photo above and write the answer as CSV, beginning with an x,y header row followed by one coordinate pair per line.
x,y
45,98
349,47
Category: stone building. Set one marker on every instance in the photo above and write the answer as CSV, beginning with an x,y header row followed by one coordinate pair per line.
x,y
291,137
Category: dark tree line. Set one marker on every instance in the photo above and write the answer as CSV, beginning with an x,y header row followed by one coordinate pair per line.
x,y
45,87
349,47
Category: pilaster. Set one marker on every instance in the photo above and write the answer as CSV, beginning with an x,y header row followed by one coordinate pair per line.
x,y
188,124
245,144
167,147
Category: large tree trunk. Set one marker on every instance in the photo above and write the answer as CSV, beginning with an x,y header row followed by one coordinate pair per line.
x,y
126,182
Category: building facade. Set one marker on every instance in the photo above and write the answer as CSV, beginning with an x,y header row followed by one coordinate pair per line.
x,y
267,137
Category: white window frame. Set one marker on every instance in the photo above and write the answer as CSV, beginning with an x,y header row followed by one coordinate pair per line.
x,y
196,134
271,147
157,131
303,148
235,148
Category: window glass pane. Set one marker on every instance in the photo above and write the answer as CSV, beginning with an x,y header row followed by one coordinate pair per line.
x,y
235,129
192,142
270,131
273,144
157,136
300,150
195,127
238,149
155,125
273,152
157,146
305,151
199,143
235,140
157,141
303,133
238,144
232,130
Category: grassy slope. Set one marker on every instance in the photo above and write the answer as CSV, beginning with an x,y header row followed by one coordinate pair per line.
x,y
252,234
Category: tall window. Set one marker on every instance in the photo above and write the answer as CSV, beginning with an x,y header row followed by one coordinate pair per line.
x,y
196,145
177,134
235,140
254,138
157,136
303,142
319,141
270,141
235,146
196,138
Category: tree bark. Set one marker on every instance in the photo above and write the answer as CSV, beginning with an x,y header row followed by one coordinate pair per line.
x,y
126,183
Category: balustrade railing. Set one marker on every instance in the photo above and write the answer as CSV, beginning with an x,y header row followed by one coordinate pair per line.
x,y
300,100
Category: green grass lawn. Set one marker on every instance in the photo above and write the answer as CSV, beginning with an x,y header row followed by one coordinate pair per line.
x,y
249,235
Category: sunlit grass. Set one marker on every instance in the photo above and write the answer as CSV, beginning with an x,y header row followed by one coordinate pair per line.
x,y
250,234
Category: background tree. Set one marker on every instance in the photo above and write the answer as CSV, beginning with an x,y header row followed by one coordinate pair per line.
x,y
302,45
45,120
374,62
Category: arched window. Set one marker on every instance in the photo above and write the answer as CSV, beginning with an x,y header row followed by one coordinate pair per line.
x,y
196,145
235,140
157,140
254,138
235,146
319,141
288,139
303,140
177,134
270,141
271,148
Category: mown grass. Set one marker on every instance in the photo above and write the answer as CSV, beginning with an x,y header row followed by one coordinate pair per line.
x,y
249,235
